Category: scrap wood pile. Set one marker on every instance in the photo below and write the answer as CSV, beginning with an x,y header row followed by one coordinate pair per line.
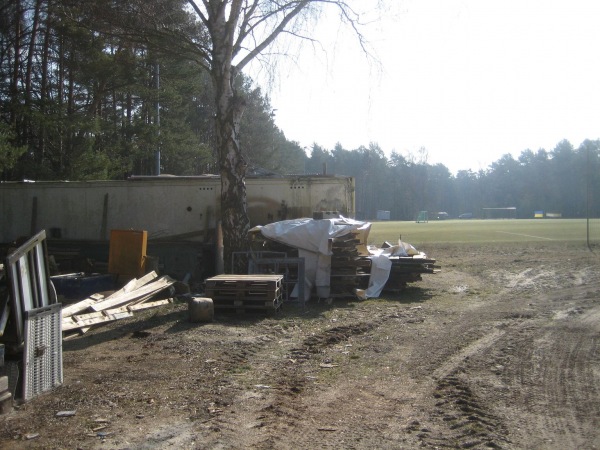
x,y
338,261
408,265
349,270
149,291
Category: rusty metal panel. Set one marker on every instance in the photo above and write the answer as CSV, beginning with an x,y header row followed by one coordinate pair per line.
x,y
277,199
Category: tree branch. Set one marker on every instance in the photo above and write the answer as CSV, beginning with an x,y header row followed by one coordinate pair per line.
x,y
198,11
300,5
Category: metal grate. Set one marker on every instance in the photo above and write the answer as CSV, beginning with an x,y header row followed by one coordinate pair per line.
x,y
29,281
42,357
292,270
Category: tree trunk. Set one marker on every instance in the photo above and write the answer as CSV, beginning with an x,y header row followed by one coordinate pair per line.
x,y
30,55
230,108
14,84
232,168
44,96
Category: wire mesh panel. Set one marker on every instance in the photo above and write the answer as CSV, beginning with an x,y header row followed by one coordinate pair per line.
x,y
42,356
29,281
292,270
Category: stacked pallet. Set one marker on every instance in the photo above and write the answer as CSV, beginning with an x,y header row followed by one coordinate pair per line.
x,y
408,269
244,293
349,270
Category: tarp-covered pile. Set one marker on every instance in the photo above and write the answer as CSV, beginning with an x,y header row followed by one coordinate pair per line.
x,y
338,261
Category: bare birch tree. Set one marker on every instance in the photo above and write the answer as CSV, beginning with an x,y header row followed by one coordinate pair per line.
x,y
239,32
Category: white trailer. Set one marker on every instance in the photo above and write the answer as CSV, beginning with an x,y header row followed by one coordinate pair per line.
x,y
167,207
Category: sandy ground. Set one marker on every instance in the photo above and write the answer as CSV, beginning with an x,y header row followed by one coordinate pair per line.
x,y
499,350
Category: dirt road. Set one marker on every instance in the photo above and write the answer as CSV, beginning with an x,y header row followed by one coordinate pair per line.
x,y
499,350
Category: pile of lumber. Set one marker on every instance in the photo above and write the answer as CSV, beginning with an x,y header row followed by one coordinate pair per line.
x,y
408,269
149,291
245,293
349,270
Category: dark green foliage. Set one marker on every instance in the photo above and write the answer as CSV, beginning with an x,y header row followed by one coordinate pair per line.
x,y
93,89
564,180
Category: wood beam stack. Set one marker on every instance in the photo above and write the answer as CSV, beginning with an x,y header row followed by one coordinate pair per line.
x,y
245,293
349,270
408,269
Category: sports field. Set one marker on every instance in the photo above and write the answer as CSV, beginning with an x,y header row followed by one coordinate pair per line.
x,y
487,231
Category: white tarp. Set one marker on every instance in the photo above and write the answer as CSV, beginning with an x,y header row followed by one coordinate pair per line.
x,y
313,238
381,266
314,235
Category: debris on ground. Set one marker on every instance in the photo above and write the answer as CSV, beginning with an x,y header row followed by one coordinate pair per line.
x,y
338,262
148,291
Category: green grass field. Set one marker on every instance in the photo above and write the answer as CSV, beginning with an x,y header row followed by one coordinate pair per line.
x,y
486,231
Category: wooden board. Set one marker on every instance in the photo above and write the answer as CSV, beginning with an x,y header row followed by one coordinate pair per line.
x,y
154,287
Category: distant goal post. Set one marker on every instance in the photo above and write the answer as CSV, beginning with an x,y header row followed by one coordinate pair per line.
x,y
507,212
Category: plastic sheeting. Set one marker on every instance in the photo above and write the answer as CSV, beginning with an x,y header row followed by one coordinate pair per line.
x,y
314,235
313,238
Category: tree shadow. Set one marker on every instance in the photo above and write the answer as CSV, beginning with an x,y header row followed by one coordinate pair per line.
x,y
139,326
409,295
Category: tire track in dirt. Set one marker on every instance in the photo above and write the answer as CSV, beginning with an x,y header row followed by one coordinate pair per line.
x,y
469,422
478,346
285,408
507,366
281,411
557,370
543,366
460,416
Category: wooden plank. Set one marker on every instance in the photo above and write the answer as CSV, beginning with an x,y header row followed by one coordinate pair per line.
x,y
77,307
84,321
143,299
154,287
95,321
254,277
148,305
139,306
69,324
95,298
87,316
134,284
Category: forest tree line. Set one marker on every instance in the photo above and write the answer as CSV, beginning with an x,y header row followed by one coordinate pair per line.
x,y
89,94
564,180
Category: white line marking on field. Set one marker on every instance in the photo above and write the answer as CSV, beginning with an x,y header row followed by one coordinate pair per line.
x,y
526,235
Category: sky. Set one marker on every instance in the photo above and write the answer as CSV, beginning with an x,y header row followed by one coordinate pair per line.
x,y
467,80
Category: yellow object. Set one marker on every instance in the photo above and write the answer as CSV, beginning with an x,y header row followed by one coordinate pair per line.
x,y
127,254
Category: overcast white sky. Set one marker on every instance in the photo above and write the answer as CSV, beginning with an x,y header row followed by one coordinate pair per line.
x,y
469,80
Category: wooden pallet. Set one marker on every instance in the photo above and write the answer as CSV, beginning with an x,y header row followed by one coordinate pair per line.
x,y
244,293
349,271
242,306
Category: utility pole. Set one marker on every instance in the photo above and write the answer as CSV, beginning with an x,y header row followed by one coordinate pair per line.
x,y
587,201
